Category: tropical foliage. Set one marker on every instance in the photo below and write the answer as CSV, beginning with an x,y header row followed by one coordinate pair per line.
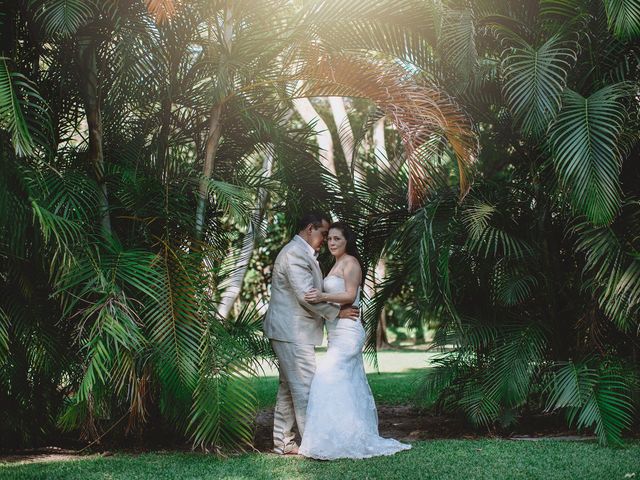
x,y
149,155
133,148
533,280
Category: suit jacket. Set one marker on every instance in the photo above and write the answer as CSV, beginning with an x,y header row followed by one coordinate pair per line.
x,y
289,318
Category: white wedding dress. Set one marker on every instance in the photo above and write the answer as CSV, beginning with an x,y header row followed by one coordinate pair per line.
x,y
341,419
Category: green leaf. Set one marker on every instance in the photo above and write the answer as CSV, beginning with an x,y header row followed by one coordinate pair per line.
x,y
17,94
457,39
175,324
62,17
479,404
231,199
585,151
534,81
612,267
511,285
623,18
594,396
224,403
4,335
65,232
517,356
486,237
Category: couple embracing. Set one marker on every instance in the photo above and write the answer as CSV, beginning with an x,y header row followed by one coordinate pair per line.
x,y
332,405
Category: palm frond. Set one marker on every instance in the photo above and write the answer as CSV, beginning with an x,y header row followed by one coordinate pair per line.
x,y
488,239
534,81
161,10
174,323
516,358
233,200
457,40
615,271
425,117
62,17
405,31
18,100
479,405
512,285
63,231
4,334
445,373
623,18
594,397
224,403
583,140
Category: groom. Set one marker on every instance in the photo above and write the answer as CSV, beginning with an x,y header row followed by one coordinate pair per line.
x,y
295,327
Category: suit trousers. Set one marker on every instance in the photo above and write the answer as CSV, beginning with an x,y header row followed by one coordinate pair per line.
x,y
297,367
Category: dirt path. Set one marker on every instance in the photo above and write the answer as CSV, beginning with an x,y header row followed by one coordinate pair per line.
x,y
403,423
407,423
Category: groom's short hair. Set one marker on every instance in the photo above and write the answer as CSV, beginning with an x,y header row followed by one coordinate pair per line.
x,y
314,218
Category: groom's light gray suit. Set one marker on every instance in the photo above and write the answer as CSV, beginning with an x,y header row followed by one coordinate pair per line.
x,y
294,327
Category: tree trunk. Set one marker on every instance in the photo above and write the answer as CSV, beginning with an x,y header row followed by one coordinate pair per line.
x,y
234,286
211,148
345,134
379,145
380,150
88,71
163,135
382,340
304,107
215,128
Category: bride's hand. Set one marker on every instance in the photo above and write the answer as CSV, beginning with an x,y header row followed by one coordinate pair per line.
x,y
313,296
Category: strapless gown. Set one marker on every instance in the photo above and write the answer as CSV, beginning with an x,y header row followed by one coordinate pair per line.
x,y
342,420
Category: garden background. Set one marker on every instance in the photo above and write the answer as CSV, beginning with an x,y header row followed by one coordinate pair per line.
x,y
155,155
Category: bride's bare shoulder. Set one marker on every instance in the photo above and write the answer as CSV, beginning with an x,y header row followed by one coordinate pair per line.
x,y
351,261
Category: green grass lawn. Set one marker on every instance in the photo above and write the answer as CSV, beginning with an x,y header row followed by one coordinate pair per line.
x,y
437,459
400,370
388,388
441,459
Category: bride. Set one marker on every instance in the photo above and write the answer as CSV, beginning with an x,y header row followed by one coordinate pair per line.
x,y
341,419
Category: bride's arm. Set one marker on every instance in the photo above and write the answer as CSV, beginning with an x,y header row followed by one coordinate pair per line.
x,y
352,278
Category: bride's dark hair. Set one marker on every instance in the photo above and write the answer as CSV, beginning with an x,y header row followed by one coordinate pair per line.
x,y
352,246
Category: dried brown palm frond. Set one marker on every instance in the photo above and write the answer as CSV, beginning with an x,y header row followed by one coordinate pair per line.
x,y
162,10
426,118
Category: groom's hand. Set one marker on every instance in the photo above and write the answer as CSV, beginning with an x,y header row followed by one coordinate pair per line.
x,y
313,296
347,311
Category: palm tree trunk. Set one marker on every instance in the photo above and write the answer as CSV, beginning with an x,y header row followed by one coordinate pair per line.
x,y
379,145
211,148
380,150
234,284
163,135
345,134
88,70
323,135
382,341
215,129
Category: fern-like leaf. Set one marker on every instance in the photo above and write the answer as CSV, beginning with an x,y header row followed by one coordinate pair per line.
x,y
584,143
534,81
17,96
623,18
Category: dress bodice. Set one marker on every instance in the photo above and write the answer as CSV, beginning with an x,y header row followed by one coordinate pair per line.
x,y
335,284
